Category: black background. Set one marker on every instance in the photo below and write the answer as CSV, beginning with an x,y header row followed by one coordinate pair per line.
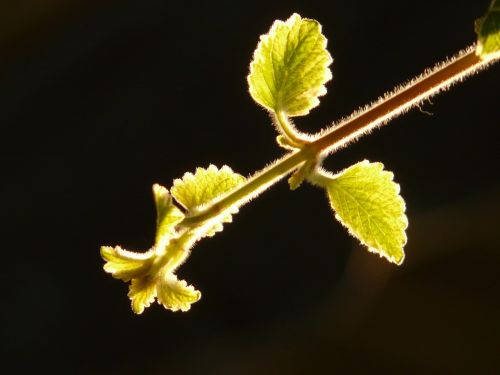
x,y
101,99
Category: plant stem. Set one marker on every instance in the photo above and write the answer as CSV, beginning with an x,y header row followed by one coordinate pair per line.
x,y
251,188
403,98
284,126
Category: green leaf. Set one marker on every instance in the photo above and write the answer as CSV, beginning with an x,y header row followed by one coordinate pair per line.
x,y
366,200
168,215
193,191
290,67
488,31
176,294
126,265
142,293
298,177
205,185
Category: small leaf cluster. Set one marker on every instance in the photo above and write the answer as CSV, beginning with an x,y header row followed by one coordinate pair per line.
x,y
152,274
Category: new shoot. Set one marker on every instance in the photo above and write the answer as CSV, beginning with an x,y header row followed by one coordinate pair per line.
x,y
288,73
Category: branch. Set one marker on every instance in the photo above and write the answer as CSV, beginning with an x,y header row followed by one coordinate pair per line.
x,y
405,97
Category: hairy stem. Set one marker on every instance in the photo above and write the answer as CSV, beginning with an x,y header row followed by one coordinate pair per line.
x,y
404,98
285,126
428,84
252,187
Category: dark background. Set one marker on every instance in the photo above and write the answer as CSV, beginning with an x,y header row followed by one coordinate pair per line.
x,y
101,99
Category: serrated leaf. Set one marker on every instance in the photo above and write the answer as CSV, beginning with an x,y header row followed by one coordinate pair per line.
x,y
290,67
142,293
176,294
366,200
488,31
194,190
126,265
218,226
168,215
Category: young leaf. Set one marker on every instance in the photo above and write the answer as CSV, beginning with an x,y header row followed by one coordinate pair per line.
x,y
176,294
290,67
168,215
126,265
298,177
142,293
366,200
488,31
206,184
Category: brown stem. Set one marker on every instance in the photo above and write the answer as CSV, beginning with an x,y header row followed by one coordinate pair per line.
x,y
404,98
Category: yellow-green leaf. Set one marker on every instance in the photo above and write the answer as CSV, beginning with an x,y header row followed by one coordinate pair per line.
x,y
366,200
194,190
168,215
290,67
142,293
488,31
176,294
124,264
301,173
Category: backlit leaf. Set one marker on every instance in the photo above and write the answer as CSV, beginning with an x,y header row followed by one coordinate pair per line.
x,y
194,190
168,215
124,264
298,177
142,293
290,67
366,200
176,294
